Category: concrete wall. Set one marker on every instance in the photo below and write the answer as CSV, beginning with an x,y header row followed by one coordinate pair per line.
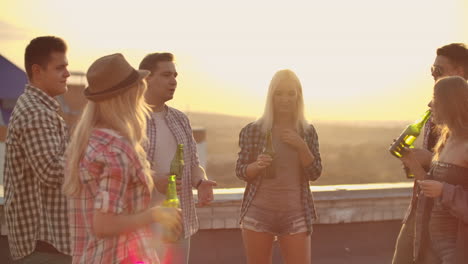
x,y
357,224
335,204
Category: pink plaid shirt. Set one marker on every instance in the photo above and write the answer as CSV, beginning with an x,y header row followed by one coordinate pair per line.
x,y
112,182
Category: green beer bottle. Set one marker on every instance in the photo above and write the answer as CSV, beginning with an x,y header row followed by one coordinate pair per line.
x,y
407,138
177,164
171,201
269,150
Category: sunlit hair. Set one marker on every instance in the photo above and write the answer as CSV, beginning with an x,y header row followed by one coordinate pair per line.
x,y
450,105
126,114
282,76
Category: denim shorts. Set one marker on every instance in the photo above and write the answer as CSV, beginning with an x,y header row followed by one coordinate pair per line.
x,y
277,223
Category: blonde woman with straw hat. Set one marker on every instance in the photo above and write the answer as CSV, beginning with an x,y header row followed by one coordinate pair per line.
x,y
108,179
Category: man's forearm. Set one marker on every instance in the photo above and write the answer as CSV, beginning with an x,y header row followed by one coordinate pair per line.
x,y
198,173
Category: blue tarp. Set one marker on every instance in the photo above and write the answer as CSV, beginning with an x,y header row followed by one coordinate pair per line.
x,y
12,82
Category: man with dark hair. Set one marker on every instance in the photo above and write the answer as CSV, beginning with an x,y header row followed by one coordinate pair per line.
x,y
35,208
173,128
451,60
413,243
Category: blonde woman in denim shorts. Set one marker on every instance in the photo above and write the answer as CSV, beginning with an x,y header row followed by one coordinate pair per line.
x,y
277,201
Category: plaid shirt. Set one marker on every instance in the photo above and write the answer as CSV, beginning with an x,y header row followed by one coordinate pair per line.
x,y
180,127
112,182
35,207
251,142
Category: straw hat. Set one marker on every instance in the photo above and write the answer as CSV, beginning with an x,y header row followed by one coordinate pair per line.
x,y
110,76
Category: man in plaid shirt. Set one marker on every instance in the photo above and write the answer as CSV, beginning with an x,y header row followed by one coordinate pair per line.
x,y
167,128
35,208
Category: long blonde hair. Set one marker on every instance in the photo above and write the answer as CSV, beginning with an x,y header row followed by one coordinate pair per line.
x,y
126,114
266,120
450,105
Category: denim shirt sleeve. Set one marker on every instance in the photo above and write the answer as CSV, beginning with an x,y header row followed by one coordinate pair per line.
x,y
314,170
455,198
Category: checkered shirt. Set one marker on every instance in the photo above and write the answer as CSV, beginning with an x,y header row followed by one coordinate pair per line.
x,y
251,142
112,182
35,207
179,125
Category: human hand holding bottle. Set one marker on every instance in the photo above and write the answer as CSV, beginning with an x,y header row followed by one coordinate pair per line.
x,y
169,217
423,156
263,161
161,182
408,136
411,162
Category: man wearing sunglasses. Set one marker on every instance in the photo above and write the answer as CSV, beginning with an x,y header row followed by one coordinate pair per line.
x,y
412,246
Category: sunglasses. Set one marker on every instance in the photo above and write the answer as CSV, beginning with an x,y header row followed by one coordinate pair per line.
x,y
436,71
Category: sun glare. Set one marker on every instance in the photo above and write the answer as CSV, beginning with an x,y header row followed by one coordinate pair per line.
x,y
359,60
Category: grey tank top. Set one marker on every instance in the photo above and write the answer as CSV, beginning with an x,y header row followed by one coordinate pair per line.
x,y
282,193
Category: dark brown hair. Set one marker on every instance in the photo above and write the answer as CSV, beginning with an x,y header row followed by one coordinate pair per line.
x,y
39,49
150,61
457,53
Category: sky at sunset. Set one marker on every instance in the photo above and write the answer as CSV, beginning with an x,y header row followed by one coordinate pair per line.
x,y
357,60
